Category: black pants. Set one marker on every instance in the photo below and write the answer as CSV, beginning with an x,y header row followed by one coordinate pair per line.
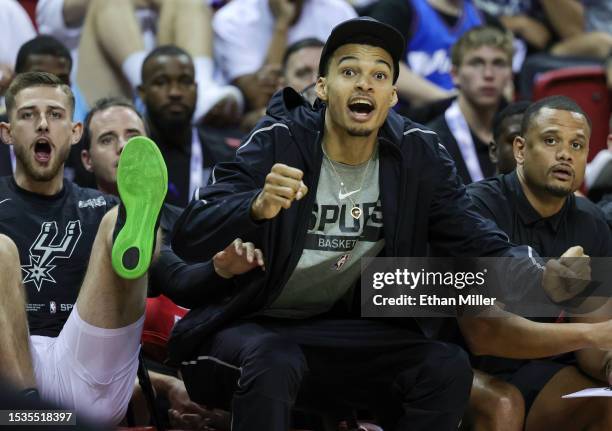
x,y
264,367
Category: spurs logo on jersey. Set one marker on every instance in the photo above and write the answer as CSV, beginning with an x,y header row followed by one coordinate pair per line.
x,y
45,250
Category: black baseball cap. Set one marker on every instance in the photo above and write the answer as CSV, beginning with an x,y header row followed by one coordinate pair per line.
x,y
346,32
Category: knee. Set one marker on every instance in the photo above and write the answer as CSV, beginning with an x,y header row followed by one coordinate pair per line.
x,y
449,366
109,220
275,360
9,255
601,41
445,370
506,406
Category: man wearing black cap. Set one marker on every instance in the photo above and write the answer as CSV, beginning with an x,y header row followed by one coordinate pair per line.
x,y
316,190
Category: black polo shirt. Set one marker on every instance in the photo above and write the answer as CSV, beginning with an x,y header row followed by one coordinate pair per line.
x,y
579,222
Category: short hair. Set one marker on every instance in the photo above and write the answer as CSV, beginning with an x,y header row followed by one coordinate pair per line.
x,y
170,50
41,45
35,79
102,105
563,103
365,39
482,36
309,42
515,108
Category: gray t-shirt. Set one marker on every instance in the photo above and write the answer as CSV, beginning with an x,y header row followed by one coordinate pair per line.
x,y
335,241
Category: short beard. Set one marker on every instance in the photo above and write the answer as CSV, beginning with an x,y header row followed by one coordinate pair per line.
x,y
557,191
361,133
46,174
171,125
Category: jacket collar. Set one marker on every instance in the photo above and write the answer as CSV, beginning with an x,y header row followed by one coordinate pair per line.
x,y
307,123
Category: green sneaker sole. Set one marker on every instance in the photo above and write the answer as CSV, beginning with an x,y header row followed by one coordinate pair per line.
x,y
142,180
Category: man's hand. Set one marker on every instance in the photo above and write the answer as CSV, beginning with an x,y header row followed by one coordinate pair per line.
x,y
283,11
183,412
258,87
224,114
566,277
237,258
283,186
6,76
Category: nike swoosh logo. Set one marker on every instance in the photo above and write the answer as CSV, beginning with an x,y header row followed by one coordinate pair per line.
x,y
344,196
1,202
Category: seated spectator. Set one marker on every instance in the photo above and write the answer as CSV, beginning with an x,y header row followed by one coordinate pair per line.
x,y
170,93
84,267
251,37
299,71
47,54
481,70
111,61
15,29
312,184
598,178
108,127
577,31
525,19
301,63
431,28
535,205
506,127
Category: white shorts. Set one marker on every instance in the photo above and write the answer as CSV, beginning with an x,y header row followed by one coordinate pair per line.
x,y
87,369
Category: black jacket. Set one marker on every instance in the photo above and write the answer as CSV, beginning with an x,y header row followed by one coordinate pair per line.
x,y
423,202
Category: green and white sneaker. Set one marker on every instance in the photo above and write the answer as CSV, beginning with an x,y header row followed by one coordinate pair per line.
x,y
142,180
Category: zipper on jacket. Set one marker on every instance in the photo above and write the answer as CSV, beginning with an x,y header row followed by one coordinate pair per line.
x,y
303,220
398,154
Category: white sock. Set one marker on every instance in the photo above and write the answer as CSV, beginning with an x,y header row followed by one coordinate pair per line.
x,y
132,68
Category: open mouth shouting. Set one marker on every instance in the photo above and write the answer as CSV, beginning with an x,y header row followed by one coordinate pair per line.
x,y
361,108
42,150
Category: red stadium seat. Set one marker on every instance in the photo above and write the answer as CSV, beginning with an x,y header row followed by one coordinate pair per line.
x,y
160,316
587,86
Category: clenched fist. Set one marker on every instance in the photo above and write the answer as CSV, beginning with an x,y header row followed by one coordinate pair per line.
x,y
566,277
283,186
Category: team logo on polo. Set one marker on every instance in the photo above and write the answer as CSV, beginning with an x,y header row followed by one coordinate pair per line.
x,y
46,248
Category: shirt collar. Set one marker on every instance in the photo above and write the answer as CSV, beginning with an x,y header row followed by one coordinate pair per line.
x,y
527,212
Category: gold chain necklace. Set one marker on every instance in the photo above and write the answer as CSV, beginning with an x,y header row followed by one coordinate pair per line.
x,y
355,210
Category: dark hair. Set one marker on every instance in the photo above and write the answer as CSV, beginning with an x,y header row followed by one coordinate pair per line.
x,y
170,50
41,45
35,79
365,39
102,105
515,108
309,42
563,103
